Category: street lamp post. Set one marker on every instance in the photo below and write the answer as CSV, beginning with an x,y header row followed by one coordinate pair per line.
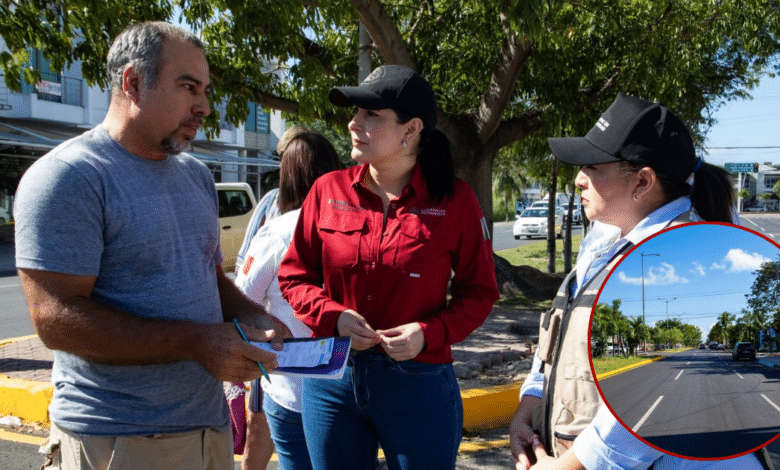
x,y
644,320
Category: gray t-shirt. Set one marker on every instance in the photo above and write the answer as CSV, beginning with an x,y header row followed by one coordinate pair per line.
x,y
149,231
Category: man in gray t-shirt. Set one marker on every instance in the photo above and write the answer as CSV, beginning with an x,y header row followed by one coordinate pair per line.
x,y
117,241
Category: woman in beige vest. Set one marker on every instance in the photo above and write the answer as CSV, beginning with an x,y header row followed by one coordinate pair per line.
x,y
639,174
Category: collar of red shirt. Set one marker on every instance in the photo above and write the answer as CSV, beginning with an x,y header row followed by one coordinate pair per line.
x,y
416,185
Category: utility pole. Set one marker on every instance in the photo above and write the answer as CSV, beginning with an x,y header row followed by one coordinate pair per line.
x,y
667,310
644,320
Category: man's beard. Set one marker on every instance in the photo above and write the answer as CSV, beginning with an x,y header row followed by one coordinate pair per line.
x,y
174,146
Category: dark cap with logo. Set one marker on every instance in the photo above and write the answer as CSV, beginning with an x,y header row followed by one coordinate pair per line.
x,y
391,86
636,131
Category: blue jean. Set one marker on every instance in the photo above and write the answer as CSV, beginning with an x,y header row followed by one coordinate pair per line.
x,y
286,429
412,409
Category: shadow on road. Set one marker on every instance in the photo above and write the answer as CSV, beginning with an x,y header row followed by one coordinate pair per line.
x,y
715,444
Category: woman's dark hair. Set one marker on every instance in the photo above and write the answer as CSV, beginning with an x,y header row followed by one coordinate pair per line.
x,y
307,156
435,157
712,193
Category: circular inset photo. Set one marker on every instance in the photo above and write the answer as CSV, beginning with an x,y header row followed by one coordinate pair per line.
x,y
684,345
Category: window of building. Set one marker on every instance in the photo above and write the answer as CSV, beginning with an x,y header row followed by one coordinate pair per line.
x,y
257,121
53,86
770,181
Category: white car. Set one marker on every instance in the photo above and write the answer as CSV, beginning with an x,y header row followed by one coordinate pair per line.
x,y
5,217
576,213
533,223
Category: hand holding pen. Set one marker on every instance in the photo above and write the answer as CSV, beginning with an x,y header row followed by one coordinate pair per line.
x,y
243,336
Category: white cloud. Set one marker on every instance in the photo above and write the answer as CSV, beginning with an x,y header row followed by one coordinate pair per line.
x,y
737,260
698,269
663,275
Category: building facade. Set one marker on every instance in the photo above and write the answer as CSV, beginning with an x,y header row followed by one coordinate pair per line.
x,y
62,105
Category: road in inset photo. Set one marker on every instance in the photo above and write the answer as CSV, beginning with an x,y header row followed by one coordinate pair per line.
x,y
698,403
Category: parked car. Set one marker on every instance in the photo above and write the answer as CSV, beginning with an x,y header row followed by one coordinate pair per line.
x,y
5,217
576,213
539,205
533,223
236,204
743,350
756,209
701,346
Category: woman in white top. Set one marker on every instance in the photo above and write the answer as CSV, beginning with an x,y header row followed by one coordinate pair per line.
x,y
307,156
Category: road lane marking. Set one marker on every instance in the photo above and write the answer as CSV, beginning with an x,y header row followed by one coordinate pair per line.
x,y
678,375
770,402
738,375
647,415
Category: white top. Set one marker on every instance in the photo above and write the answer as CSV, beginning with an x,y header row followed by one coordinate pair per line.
x,y
259,280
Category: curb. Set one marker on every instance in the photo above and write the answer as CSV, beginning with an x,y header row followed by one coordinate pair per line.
x,y
489,408
25,399
626,368
483,408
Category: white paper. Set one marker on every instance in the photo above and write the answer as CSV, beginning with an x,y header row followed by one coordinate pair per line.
x,y
302,353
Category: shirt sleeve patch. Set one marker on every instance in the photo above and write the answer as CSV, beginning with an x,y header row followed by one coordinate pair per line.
x,y
485,231
248,265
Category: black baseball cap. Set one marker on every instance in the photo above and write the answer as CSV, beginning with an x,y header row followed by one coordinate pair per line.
x,y
633,130
391,86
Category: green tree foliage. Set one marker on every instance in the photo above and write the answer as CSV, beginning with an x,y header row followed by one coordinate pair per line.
x,y
505,185
514,71
724,321
639,332
764,295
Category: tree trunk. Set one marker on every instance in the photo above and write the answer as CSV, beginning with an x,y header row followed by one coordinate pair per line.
x,y
567,261
473,163
551,216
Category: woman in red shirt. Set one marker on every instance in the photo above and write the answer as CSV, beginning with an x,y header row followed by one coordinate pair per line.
x,y
376,248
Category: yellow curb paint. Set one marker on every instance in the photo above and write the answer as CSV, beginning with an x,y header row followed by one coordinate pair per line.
x,y
489,408
21,438
471,447
623,369
5,342
25,399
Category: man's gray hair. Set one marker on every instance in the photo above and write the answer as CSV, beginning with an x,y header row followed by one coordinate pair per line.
x,y
139,45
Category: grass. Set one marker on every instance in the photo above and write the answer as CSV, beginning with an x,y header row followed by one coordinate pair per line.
x,y
534,254
607,364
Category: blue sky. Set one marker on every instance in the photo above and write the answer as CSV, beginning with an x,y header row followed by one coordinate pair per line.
x,y
748,123
706,268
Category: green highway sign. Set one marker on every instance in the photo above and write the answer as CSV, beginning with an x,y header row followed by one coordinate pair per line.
x,y
742,167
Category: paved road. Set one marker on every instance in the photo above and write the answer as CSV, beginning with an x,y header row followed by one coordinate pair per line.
x,y
698,403
765,224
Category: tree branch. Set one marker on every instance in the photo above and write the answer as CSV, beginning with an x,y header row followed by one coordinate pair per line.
x,y
503,82
514,129
384,33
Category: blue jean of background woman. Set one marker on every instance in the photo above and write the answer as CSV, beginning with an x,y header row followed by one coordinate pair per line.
x,y
346,420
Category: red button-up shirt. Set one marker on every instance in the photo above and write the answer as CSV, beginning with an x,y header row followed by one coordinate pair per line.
x,y
344,256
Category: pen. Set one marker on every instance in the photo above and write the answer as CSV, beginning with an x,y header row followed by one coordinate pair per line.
x,y
243,336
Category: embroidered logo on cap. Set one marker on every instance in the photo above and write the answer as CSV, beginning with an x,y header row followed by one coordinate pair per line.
x,y
374,76
602,124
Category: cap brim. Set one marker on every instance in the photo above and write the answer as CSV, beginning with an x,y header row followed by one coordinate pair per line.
x,y
356,96
579,151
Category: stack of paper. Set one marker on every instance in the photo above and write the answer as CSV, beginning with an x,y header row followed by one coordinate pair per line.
x,y
311,357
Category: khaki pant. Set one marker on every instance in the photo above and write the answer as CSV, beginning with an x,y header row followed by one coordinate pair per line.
x,y
207,449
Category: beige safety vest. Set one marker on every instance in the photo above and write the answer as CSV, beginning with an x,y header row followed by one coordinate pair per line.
x,y
571,398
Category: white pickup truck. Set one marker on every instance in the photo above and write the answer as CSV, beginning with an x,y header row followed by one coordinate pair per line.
x,y
236,204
